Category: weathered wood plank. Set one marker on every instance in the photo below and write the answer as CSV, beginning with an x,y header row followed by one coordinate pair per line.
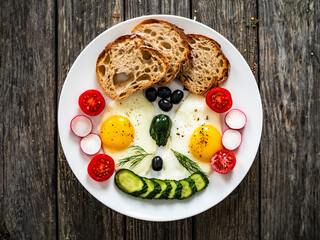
x,y
81,216
27,120
290,162
137,229
236,217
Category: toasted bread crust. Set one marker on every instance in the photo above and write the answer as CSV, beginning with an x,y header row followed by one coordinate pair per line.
x,y
197,81
181,62
108,73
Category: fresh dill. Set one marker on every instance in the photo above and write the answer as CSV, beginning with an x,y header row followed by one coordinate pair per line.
x,y
140,154
187,163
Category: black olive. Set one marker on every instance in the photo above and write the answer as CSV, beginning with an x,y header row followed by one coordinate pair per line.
x,y
176,96
165,105
151,94
164,92
157,163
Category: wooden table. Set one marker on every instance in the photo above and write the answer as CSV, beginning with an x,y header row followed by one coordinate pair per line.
x,y
41,198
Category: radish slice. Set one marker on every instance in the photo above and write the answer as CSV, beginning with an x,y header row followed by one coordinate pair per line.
x,y
236,119
81,125
231,139
90,144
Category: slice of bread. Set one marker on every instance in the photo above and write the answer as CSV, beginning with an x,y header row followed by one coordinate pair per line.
x,y
209,68
127,65
169,40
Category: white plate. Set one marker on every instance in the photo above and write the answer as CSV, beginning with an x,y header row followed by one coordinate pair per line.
x,y
245,93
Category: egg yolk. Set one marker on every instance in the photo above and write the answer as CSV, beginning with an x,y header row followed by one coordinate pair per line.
x,y
117,132
205,142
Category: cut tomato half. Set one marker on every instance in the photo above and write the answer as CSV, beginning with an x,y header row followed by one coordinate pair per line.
x,y
101,167
92,102
219,99
223,161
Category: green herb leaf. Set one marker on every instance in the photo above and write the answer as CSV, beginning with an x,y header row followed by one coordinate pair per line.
x,y
187,163
140,154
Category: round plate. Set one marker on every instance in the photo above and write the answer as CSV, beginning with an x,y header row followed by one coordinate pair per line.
x,y
245,93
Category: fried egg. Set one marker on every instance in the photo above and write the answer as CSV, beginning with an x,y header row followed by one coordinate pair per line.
x,y
196,133
124,124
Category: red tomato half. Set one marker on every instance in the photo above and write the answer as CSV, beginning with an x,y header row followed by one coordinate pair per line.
x,y
101,167
223,161
92,102
219,99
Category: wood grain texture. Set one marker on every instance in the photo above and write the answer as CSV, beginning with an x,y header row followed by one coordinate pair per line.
x,y
290,156
27,120
137,229
237,216
80,215
40,198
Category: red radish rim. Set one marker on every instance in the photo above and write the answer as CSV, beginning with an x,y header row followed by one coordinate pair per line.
x,y
240,139
77,117
245,117
92,153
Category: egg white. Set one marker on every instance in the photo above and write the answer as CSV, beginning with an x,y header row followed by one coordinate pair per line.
x,y
140,112
192,113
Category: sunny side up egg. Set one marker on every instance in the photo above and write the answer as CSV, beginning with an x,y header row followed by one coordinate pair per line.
x,y
125,123
196,133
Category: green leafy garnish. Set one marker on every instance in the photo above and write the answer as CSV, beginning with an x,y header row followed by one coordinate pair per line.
x,y
140,154
187,163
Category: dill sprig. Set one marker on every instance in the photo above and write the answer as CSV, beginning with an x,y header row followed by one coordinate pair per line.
x,y
187,163
140,154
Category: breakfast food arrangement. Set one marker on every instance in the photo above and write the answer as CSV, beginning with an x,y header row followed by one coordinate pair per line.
x,y
160,142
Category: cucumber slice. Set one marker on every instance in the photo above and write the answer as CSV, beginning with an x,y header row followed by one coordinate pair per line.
x,y
176,189
200,179
165,189
188,188
153,189
128,182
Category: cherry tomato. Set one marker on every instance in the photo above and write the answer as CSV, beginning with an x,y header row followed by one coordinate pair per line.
x,y
219,99
223,161
101,167
92,102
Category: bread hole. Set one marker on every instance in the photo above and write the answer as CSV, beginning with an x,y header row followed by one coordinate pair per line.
x,y
146,55
166,45
209,78
147,70
153,34
147,30
155,69
135,87
107,59
136,68
181,49
217,70
102,69
174,39
199,67
121,80
160,38
220,63
204,48
144,77
122,94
